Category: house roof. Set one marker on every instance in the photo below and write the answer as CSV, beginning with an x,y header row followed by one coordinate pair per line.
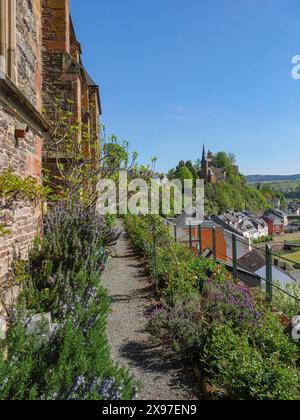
x,y
294,206
219,220
258,222
253,261
182,231
88,78
92,84
182,219
250,279
275,212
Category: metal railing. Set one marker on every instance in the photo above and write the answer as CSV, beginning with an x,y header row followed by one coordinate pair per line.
x,y
203,245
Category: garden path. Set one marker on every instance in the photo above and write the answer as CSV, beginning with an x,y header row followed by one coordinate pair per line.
x,y
160,372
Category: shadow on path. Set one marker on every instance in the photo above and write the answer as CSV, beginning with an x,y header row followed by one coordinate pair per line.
x,y
159,370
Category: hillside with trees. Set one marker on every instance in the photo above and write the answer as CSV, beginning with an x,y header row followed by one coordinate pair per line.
x,y
289,189
232,194
253,179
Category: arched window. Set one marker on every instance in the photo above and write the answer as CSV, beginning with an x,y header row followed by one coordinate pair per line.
x,y
8,38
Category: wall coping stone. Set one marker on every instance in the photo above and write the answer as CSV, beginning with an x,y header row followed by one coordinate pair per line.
x,y
21,107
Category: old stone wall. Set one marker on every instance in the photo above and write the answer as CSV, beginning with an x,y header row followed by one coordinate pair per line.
x,y
24,156
28,52
48,66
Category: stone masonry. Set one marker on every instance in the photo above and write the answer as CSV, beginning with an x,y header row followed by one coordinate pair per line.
x,y
64,76
40,60
20,103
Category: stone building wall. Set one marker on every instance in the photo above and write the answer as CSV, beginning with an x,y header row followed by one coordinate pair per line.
x,y
43,64
28,53
64,76
20,103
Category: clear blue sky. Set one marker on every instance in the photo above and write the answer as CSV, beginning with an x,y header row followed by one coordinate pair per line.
x,y
177,73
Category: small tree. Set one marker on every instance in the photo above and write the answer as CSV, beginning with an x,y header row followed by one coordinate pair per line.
x,y
75,160
184,174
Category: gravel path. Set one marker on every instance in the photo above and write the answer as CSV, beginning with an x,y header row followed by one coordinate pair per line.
x,y
161,374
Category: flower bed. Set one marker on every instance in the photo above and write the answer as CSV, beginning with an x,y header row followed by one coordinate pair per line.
x,y
226,331
71,361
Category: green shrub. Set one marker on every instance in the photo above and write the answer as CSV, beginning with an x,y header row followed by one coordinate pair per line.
x,y
63,277
253,344
269,338
286,304
213,322
245,373
264,239
173,267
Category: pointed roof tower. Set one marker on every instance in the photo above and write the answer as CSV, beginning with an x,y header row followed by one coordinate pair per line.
x,y
203,154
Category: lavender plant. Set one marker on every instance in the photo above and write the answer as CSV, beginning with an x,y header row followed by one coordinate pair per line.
x,y
253,359
64,277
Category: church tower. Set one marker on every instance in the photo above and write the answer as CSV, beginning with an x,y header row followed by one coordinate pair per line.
x,y
204,165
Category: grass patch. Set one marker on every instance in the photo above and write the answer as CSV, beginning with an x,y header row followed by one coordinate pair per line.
x,y
294,256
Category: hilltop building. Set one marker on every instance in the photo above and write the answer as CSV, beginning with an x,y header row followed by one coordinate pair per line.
x,y
209,172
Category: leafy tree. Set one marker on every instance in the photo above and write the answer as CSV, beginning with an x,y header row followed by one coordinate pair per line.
x,y
171,174
221,160
184,174
78,160
191,167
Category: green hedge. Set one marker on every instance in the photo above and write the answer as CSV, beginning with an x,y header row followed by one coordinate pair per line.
x,y
173,268
213,322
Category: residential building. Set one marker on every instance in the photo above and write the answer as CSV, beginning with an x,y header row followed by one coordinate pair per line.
x,y
244,224
293,209
183,236
256,263
243,245
189,237
261,227
277,221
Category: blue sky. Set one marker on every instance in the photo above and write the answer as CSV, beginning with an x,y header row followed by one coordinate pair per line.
x,y
177,73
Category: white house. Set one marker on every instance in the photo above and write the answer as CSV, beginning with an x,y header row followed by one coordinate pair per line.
x,y
294,209
243,224
261,227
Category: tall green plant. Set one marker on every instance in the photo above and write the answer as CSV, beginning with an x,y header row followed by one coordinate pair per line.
x,y
71,361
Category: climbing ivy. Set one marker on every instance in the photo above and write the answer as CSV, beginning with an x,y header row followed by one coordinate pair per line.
x,y
13,188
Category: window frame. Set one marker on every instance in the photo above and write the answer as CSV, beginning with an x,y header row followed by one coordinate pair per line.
x,y
8,39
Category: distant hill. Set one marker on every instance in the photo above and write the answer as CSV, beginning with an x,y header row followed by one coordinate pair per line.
x,y
253,179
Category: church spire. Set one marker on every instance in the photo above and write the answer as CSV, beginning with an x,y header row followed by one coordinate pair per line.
x,y
203,154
